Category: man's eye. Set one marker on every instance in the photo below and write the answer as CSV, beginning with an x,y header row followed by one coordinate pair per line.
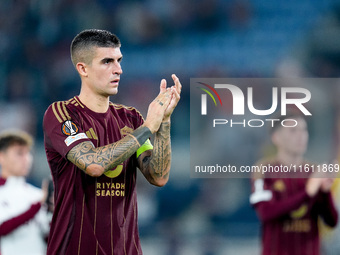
x,y
107,61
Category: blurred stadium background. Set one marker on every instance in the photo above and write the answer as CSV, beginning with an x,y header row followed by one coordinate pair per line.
x,y
192,38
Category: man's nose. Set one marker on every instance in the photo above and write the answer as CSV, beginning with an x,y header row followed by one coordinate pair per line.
x,y
118,69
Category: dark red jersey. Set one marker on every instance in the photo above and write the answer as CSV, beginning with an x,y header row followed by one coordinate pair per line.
x,y
91,215
289,217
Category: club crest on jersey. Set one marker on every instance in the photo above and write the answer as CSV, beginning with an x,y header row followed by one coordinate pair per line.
x,y
69,128
279,186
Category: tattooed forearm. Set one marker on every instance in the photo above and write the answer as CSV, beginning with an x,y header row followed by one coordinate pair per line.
x,y
161,160
156,166
85,154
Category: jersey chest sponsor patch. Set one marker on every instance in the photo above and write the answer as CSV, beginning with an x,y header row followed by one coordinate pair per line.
x,y
111,189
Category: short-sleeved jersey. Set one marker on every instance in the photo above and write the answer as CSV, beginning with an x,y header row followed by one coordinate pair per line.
x,y
289,217
24,224
91,215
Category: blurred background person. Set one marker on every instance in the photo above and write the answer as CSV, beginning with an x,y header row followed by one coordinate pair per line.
x,y
290,204
24,220
201,38
330,236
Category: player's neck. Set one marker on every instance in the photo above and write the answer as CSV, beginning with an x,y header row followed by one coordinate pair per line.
x,y
96,103
4,175
7,174
288,158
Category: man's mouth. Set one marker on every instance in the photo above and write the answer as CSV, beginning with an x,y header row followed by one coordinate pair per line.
x,y
115,82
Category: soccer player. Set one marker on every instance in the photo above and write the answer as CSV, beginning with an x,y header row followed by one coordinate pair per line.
x,y
24,221
289,208
93,147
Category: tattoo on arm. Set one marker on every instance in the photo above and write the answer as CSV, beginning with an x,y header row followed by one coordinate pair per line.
x,y
108,156
157,165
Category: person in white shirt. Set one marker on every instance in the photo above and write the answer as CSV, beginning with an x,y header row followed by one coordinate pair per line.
x,y
24,221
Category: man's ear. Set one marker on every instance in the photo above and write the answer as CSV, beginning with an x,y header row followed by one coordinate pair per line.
x,y
1,157
82,69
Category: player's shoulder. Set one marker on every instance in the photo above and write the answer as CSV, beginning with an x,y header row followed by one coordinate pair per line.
x,y
267,161
130,110
60,110
263,162
122,107
33,188
2,181
309,162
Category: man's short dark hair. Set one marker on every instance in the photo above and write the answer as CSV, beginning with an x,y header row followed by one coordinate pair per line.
x,y
14,137
83,44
